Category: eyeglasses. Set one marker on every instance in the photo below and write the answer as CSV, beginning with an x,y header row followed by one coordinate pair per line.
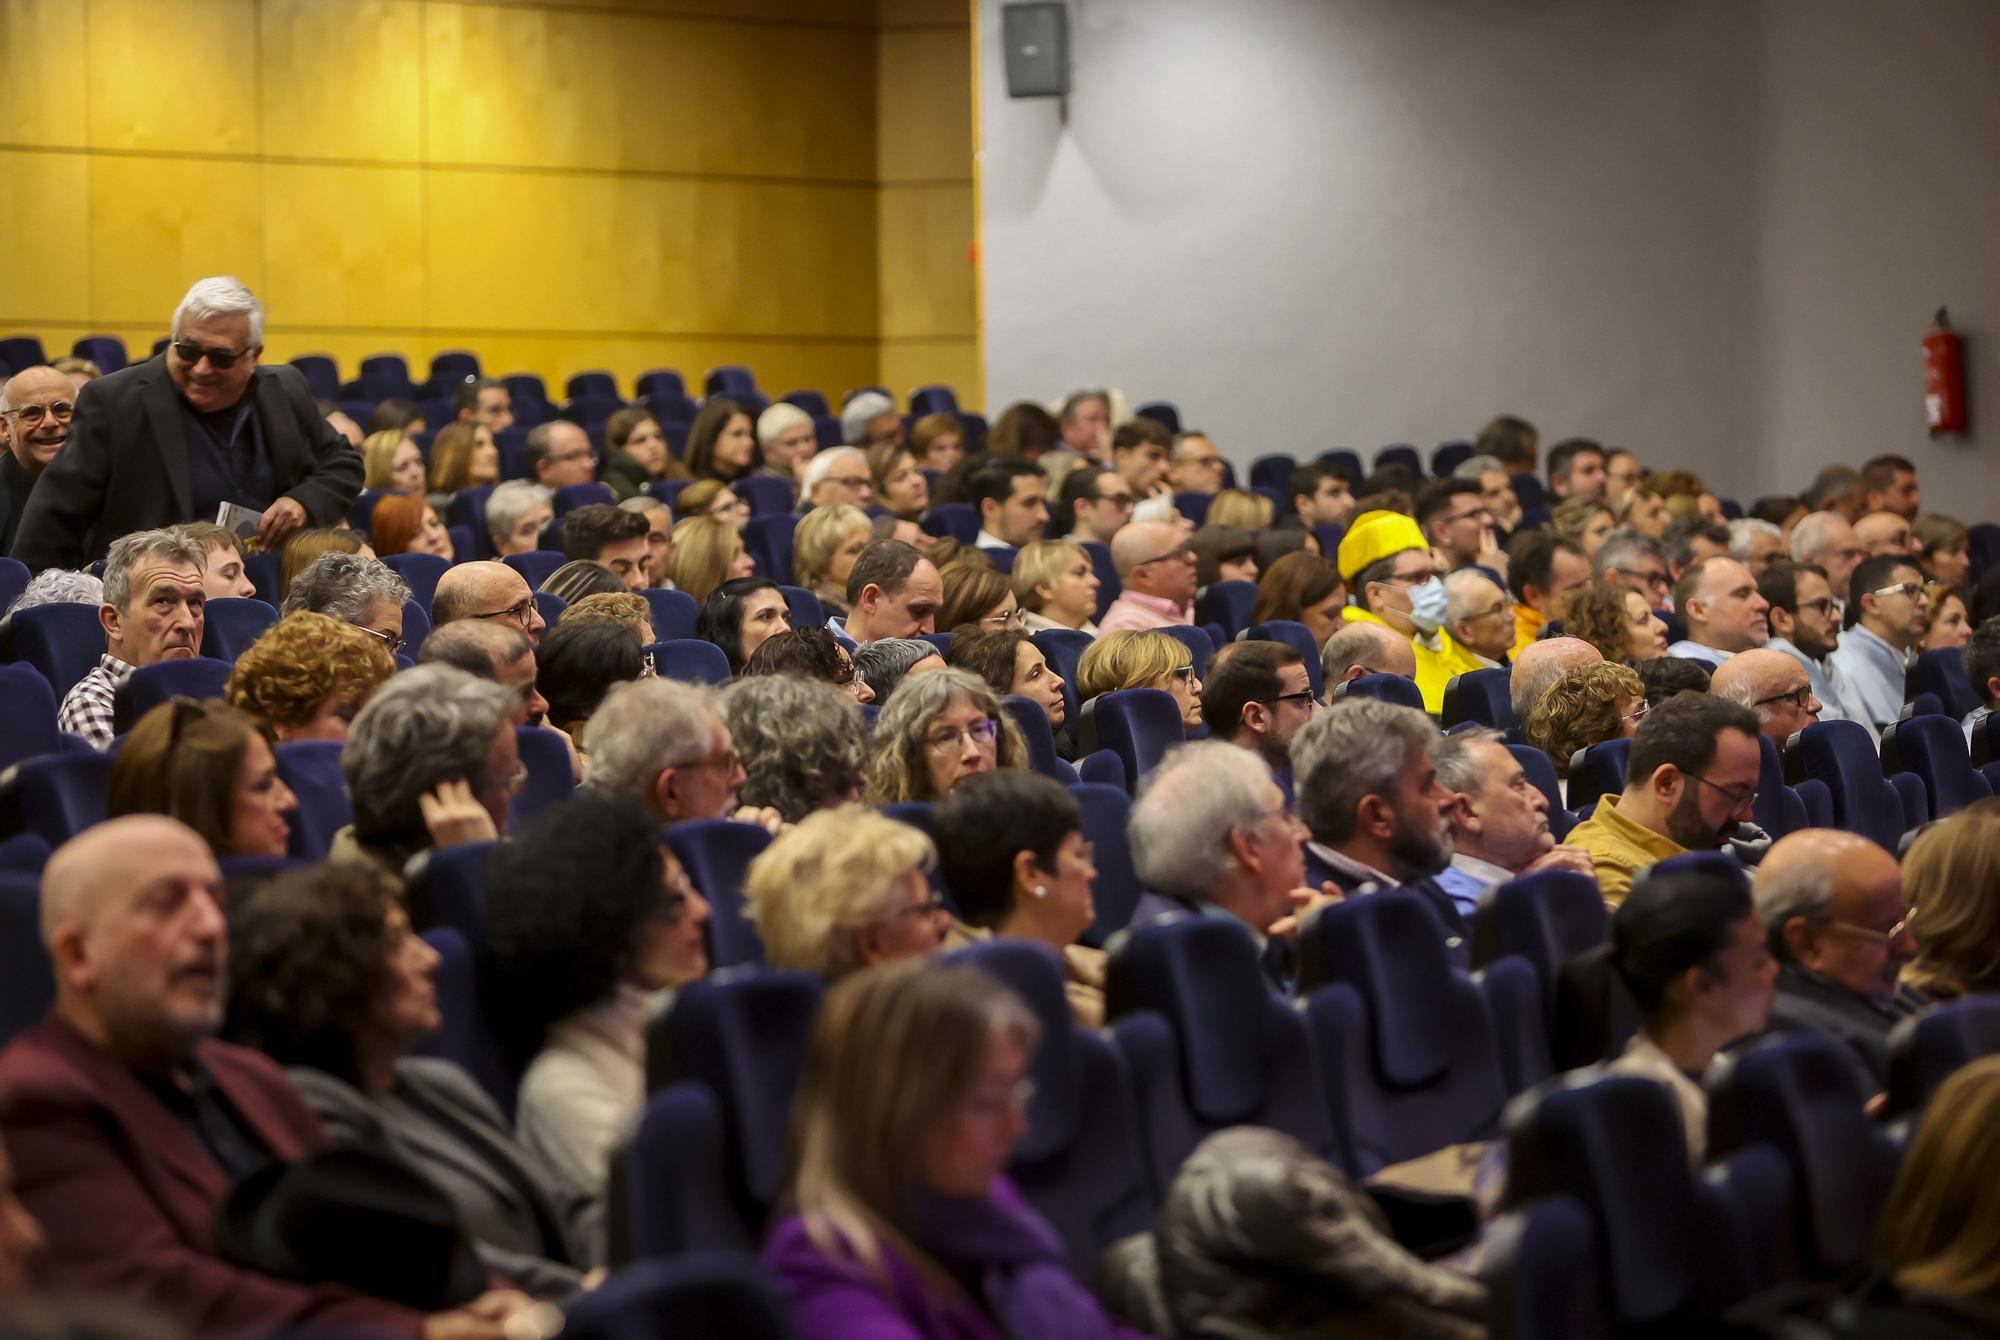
x,y
1010,619
1736,800
1636,713
1505,607
932,906
1658,579
1890,936
1184,554
1014,1104
33,414
1475,514
1305,698
849,481
1185,674
521,612
1914,590
981,733
219,358
1824,605
726,759
573,454
390,640
1409,578
1800,697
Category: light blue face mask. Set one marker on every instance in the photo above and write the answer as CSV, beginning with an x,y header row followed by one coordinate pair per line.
x,y
1427,606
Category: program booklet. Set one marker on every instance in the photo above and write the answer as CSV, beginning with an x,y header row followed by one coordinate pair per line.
x,y
242,520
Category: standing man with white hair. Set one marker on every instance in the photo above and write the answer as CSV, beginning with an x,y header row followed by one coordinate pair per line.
x,y
173,438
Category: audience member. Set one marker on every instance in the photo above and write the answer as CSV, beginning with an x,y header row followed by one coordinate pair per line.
x,y
1390,579
491,592
870,417
1781,510
490,651
837,477
398,413
1622,473
1826,541
1240,509
1942,543
1576,468
1194,465
327,979
303,547
1258,695
1319,496
559,454
578,663
935,731
1055,584
630,612
1584,520
1946,626
430,761
1086,424
740,615
1645,512
59,586
613,537
1010,663
1142,660
1689,783
1499,819
1689,947
1692,540
1542,568
484,401
899,480
572,981
354,589
802,743
1511,440
1587,705
1834,916
1664,676
888,661
223,555
1718,603
516,513
1886,614
391,464
845,890
463,456
659,538
308,676
1838,489
1305,588
1011,496
1479,615
1141,450
636,454
786,440
1366,776
1773,685
664,744
1156,568
409,525
1951,873
1756,544
810,653
1459,526
179,416
1496,488
1542,663
707,553
977,596
1095,503
1616,620
1982,670
722,441
152,611
209,766
1884,533
1359,649
1892,486
1805,625
1223,554
939,441
1631,559
892,591
825,545
37,406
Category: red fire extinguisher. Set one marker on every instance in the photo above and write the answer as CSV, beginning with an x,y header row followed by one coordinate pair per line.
x,y
1944,376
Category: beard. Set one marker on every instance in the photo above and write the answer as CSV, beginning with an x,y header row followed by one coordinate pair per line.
x,y
1686,826
1416,851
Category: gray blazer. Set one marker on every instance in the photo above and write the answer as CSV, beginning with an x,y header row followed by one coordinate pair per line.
x,y
526,1223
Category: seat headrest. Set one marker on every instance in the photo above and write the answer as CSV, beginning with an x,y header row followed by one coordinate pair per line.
x,y
1036,975
1389,946
1201,975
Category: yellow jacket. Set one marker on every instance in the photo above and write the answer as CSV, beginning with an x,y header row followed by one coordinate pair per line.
x,y
1528,625
1436,664
1619,848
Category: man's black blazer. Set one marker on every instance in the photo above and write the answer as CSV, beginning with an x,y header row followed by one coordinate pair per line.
x,y
125,465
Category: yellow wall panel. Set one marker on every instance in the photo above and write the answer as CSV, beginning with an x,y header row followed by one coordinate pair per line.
x,y
925,235
44,208
953,363
373,109
823,13
922,13
923,105
159,224
344,246
172,76
43,45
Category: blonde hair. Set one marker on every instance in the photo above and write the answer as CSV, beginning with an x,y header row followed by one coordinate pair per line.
x,y
833,874
378,457
857,1141
819,533
897,769
1581,709
704,549
1042,563
698,497
1132,659
970,594
1241,509
619,607
1940,1231
1951,876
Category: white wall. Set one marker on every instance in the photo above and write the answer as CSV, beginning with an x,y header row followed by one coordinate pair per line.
x,y
1710,230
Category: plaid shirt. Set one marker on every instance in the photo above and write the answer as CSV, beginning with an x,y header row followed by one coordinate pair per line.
x,y
87,708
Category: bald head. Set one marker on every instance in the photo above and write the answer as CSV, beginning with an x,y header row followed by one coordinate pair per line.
x,y
1772,684
1832,902
485,590
32,393
1140,542
1366,648
1883,533
1541,664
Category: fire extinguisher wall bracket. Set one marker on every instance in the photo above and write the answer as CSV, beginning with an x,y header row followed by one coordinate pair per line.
x,y
1944,377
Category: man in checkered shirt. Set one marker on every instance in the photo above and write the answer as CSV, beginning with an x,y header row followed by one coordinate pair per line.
x,y
152,611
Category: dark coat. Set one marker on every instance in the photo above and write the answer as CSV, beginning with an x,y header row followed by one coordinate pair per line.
x,y
1808,1002
128,1198
125,466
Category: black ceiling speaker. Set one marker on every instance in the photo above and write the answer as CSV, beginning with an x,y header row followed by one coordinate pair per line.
x,y
1036,38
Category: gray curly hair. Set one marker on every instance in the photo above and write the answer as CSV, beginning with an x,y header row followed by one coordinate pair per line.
x,y
428,725
345,586
801,741
897,769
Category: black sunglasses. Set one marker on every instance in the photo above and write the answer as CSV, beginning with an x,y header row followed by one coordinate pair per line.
x,y
218,357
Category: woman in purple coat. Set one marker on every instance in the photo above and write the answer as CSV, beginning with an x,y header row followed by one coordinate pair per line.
x,y
903,1226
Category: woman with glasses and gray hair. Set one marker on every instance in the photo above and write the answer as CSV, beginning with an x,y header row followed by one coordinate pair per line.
x,y
934,732
355,589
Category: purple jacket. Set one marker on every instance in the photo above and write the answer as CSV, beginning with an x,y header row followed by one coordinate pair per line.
x,y
1000,1239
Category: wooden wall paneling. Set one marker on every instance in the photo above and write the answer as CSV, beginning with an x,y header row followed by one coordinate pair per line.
x,y
170,77
44,251
344,245
342,80
44,45
159,224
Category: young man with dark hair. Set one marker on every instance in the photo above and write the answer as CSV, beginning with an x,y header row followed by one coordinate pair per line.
x,y
1805,625
1541,568
1891,482
1095,504
1258,695
1454,517
1320,495
892,591
484,400
1141,451
1576,469
1886,613
1689,783
1692,539
1982,667
1512,441
605,533
1011,495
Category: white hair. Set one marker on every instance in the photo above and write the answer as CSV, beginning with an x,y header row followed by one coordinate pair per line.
x,y
1186,810
780,419
509,502
1473,467
861,411
821,465
221,295
55,586
1743,532
1463,588
1810,537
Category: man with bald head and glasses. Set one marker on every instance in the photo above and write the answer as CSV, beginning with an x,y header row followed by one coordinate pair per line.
x,y
196,426
37,407
1774,686
493,592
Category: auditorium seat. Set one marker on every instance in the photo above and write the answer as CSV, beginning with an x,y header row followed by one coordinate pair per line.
x,y
1480,696
591,384
1926,1048
1138,725
196,677
311,769
1840,754
14,577
1273,471
27,981
468,509
674,612
591,411
28,726
1545,919
447,887
1208,1045
1403,454
768,539
24,854
1449,456
1597,771
942,641
1227,603
1106,812
1933,749
1778,809
1101,768
462,1034
1106,572
660,381
421,573
1079,1162
230,626
730,379
551,776
765,495
1533,1258
1161,412
1063,649
1983,546
322,376
572,496
383,376
1200,650
57,796
1300,639
536,566
812,402
1193,506
827,429
716,854
449,371
1404,1040
526,386
701,1293
1943,672
64,641
806,611
1383,688
21,351
550,606
512,443
1036,733
1541,770
689,660
1801,1094
953,521
1344,462
933,399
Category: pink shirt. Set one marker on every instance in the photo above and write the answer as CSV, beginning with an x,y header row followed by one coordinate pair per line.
x,y
1134,609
